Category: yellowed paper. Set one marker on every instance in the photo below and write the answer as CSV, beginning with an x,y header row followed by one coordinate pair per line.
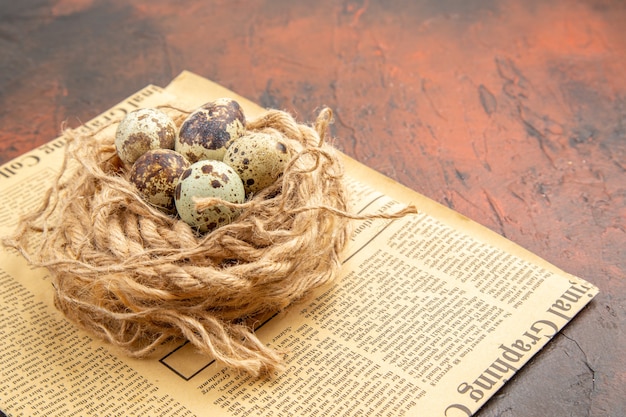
x,y
432,315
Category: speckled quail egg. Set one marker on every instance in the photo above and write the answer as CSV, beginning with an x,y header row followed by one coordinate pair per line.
x,y
142,130
155,174
208,178
209,130
259,158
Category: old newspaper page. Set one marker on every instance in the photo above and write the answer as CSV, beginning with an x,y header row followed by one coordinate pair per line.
x,y
432,315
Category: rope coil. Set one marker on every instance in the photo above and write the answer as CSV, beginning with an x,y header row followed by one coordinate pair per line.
x,y
128,273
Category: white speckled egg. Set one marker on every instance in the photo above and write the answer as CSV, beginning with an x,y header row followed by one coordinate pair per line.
x,y
208,178
142,130
208,131
259,158
155,175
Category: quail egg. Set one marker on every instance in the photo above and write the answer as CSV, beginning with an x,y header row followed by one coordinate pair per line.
x,y
142,130
209,130
259,158
208,178
155,175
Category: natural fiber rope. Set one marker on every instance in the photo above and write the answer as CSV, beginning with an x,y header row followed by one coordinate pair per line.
x,y
136,277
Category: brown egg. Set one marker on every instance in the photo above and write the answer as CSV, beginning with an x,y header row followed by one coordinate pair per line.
x,y
156,174
142,130
207,132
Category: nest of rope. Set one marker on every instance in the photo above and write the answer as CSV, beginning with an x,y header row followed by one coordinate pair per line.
x,y
137,275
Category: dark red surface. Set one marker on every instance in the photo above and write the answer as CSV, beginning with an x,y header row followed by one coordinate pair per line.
x,y
512,112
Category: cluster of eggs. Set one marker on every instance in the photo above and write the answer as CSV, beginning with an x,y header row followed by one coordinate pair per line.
x,y
210,155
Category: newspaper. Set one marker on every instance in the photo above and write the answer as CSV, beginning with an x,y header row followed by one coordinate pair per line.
x,y
433,313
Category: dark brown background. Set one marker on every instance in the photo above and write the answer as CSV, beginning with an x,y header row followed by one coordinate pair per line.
x,y
512,112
